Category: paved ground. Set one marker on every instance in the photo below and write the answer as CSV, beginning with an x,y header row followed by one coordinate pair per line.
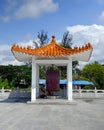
x,y
85,115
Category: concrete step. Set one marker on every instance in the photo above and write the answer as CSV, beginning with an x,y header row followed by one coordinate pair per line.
x,y
52,102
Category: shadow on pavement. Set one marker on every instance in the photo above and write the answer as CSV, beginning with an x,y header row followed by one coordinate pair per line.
x,y
14,100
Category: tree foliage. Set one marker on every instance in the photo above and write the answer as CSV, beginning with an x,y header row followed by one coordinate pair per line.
x,y
14,75
95,73
67,43
42,39
4,83
67,40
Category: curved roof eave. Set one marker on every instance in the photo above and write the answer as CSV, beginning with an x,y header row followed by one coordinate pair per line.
x,y
52,51
22,57
83,56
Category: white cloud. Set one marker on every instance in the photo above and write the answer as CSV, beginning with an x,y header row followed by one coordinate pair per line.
x,y
101,17
14,9
5,18
35,8
81,36
6,56
101,1
93,34
25,43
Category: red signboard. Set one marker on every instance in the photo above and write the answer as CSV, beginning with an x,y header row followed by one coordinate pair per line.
x,y
52,80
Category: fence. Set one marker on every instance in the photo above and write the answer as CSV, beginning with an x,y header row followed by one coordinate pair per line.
x,y
8,93
77,93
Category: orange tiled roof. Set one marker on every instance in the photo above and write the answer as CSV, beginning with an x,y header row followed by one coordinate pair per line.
x,y
51,50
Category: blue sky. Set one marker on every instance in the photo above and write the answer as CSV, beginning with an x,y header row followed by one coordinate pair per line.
x,y
21,20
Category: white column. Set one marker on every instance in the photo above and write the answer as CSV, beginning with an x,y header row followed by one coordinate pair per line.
x,y
37,80
33,83
95,92
2,91
80,94
69,79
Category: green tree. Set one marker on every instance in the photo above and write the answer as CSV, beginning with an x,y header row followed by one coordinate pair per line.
x,y
4,83
67,40
67,43
14,74
42,39
95,73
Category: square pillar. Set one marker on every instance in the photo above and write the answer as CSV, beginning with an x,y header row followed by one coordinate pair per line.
x,y
33,82
37,80
69,80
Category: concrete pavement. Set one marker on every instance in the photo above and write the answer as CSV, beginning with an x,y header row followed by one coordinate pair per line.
x,y
87,114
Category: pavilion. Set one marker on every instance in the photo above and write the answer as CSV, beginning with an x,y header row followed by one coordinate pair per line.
x,y
49,54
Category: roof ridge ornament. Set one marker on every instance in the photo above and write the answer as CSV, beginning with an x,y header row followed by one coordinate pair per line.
x,y
53,38
52,50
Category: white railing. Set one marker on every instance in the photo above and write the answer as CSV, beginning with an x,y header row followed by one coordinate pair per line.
x,y
4,92
88,93
8,93
77,93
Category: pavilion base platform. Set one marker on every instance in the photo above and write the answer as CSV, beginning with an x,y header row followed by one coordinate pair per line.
x,y
52,102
